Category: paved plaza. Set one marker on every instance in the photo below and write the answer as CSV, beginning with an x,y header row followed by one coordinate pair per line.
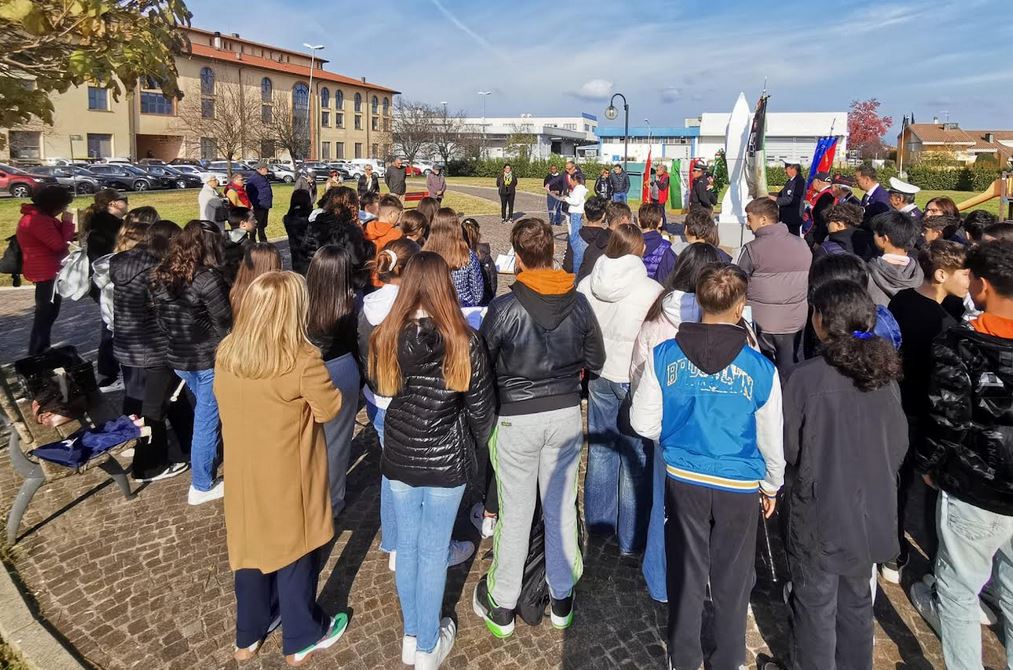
x,y
145,582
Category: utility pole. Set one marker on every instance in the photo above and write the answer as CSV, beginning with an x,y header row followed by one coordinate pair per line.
x,y
485,95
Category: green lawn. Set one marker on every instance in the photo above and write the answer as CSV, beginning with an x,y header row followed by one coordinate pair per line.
x,y
181,206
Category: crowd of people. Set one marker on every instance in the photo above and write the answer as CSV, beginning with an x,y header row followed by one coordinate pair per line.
x,y
823,373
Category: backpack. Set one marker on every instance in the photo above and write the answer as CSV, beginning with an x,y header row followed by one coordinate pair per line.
x,y
74,279
534,596
221,214
12,261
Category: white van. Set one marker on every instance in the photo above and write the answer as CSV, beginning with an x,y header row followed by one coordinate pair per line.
x,y
379,167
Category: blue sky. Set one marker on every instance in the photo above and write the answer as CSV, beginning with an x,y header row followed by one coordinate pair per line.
x,y
671,59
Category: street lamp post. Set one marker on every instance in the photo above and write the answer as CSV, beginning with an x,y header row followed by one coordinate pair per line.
x,y
611,113
485,96
309,107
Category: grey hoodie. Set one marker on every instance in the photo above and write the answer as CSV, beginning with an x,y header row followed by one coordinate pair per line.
x,y
886,279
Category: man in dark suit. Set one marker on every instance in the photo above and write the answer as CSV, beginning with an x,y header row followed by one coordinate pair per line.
x,y
876,200
703,193
790,198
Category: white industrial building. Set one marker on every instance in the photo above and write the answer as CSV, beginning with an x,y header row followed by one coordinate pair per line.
x,y
560,135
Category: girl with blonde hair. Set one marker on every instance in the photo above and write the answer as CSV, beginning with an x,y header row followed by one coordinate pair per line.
x,y
274,393
446,238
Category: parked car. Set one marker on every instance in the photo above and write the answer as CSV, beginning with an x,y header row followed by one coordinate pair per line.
x,y
179,179
425,166
200,173
241,167
117,160
19,183
379,167
117,176
157,181
197,162
282,173
73,177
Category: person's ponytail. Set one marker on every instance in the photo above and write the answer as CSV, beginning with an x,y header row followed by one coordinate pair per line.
x,y
847,318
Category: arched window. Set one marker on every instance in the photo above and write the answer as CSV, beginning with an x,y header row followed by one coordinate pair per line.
x,y
386,106
376,104
300,100
325,98
339,98
207,81
266,90
358,102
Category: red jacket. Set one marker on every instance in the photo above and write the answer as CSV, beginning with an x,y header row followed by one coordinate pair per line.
x,y
43,241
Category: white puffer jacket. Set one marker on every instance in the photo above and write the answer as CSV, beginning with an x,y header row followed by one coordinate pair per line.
x,y
620,293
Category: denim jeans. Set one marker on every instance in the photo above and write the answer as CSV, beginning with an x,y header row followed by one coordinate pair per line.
x,y
617,487
618,197
206,427
554,208
388,520
969,539
653,568
425,517
344,373
577,242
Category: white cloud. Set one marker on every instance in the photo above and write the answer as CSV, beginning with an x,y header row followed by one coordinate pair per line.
x,y
594,89
669,94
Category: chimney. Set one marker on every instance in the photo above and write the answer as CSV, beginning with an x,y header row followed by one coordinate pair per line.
x,y
217,41
989,137
363,80
935,120
235,35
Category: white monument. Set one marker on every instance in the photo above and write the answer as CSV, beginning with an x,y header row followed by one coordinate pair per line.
x,y
732,220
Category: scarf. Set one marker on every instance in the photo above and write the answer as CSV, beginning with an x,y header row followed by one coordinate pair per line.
x,y
547,282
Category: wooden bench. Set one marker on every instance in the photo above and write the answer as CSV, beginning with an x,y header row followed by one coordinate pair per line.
x,y
415,196
25,434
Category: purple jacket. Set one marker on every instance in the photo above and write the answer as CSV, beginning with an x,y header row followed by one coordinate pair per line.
x,y
659,258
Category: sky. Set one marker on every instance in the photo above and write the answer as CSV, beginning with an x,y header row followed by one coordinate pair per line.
x,y
671,59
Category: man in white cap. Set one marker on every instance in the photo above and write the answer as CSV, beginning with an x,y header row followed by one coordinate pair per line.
x,y
902,198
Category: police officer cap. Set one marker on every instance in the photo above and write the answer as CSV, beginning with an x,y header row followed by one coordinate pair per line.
x,y
821,176
902,186
789,163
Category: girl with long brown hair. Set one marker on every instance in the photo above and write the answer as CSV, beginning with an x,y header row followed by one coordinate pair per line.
x,y
275,392
192,308
258,258
338,224
332,329
446,238
434,367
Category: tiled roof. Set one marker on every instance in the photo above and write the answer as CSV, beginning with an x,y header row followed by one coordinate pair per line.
x,y
937,133
205,51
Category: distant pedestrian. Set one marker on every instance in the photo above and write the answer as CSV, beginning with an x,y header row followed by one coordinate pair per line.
x,y
506,186
902,198
603,185
620,183
262,198
702,193
790,200
663,182
236,192
212,206
368,182
554,185
307,182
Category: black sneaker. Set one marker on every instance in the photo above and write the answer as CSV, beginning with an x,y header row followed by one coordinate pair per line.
x,y
499,620
561,612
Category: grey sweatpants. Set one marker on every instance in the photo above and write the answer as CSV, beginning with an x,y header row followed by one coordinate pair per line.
x,y
532,454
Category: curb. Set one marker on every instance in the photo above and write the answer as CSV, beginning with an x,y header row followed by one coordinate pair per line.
x,y
23,633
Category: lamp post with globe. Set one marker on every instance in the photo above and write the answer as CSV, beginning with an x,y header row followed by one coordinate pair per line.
x,y
611,113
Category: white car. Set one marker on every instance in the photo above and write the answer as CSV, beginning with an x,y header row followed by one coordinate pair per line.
x,y
283,173
425,167
203,174
379,167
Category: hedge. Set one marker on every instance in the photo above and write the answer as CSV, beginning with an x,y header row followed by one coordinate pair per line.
x,y
929,177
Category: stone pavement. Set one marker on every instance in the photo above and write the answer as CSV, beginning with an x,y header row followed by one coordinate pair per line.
x,y
145,582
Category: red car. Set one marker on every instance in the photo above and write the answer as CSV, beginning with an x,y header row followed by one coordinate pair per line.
x,y
412,171
19,183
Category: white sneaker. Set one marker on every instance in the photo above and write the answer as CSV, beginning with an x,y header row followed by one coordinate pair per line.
x,y
459,552
195,497
392,561
170,471
486,525
408,643
434,659
115,386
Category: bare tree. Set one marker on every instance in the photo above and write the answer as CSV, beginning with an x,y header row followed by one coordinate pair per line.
x,y
232,118
413,128
447,134
287,129
519,141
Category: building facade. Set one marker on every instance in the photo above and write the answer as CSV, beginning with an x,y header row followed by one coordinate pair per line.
x,y
346,117
538,136
948,141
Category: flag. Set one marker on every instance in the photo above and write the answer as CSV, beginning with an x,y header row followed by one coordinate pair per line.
x,y
823,158
645,188
756,163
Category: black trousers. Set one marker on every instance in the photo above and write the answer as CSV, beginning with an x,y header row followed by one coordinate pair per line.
x,y
831,618
47,308
108,367
709,535
908,480
290,592
148,393
261,216
784,349
506,205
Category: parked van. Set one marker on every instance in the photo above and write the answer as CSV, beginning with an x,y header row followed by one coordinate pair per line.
x,y
379,167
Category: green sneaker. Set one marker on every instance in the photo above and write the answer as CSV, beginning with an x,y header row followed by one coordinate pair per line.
x,y
339,623
499,620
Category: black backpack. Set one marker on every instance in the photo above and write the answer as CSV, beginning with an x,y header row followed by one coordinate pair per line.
x,y
534,597
11,263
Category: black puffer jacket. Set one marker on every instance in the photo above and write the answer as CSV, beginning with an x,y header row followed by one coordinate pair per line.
x,y
329,229
194,321
538,344
296,224
430,432
138,341
968,447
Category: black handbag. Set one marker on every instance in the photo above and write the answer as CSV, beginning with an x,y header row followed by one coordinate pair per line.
x,y
11,263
